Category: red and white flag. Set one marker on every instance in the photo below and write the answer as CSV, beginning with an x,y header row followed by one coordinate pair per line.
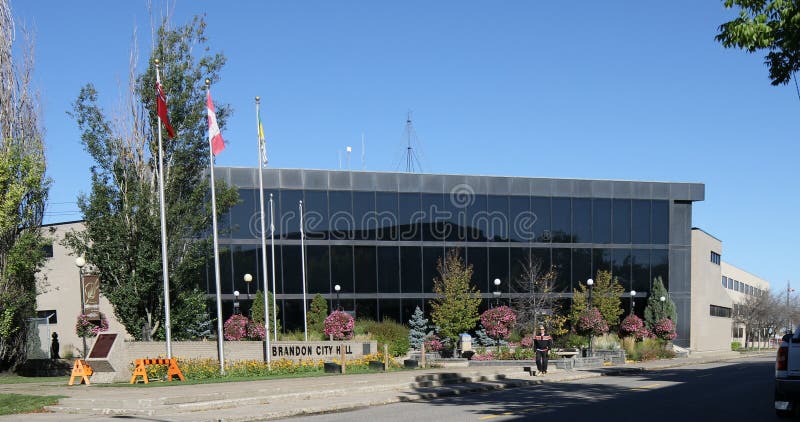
x,y
214,135
161,109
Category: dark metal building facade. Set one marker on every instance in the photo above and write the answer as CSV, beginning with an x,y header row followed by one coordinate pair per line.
x,y
379,235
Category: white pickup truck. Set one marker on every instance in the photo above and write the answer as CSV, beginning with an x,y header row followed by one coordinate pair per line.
x,y
787,375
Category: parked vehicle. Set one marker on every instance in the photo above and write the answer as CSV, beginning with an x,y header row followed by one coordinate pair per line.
x,y
787,375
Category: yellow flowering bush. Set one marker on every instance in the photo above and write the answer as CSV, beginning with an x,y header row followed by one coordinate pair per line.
x,y
194,368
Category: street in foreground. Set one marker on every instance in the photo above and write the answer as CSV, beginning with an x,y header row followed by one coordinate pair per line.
x,y
724,391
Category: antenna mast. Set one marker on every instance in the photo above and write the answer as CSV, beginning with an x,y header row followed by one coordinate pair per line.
x,y
412,161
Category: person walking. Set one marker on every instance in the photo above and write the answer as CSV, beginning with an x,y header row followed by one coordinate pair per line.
x,y
542,344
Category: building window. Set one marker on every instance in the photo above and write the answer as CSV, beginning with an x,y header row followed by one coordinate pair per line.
x,y
715,257
724,282
45,314
48,251
720,311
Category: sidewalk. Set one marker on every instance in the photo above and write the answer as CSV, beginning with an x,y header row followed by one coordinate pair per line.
x,y
275,399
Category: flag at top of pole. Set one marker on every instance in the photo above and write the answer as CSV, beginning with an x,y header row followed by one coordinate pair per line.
x,y
214,135
262,144
161,108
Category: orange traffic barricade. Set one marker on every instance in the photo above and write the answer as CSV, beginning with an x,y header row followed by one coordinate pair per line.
x,y
81,370
141,369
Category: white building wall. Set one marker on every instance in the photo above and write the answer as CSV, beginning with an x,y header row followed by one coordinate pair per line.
x,y
747,282
708,333
59,290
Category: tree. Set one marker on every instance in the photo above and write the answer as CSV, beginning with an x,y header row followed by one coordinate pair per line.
x,y
418,328
23,193
455,308
760,315
257,311
605,297
656,310
591,321
766,25
339,325
498,321
317,314
536,301
122,230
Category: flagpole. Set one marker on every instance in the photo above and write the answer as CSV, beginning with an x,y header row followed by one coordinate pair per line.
x,y
220,348
164,266
272,247
268,355
303,264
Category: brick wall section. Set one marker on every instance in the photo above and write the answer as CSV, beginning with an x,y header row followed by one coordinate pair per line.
x,y
125,353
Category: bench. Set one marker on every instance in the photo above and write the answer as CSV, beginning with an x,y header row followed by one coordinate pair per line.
x,y
566,354
141,369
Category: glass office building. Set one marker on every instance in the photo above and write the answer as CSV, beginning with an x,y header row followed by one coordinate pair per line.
x,y
379,236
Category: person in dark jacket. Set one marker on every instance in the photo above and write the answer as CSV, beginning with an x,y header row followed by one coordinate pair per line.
x,y
542,343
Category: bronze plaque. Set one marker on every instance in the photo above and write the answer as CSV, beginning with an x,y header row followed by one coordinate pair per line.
x,y
102,346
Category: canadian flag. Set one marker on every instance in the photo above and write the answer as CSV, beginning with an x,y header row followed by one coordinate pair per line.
x,y
214,135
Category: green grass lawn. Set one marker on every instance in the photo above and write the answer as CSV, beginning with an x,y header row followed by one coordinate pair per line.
x,y
16,379
11,404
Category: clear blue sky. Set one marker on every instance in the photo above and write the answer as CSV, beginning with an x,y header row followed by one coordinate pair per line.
x,y
608,90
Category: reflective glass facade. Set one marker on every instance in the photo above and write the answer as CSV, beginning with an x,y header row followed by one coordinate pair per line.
x,y
379,235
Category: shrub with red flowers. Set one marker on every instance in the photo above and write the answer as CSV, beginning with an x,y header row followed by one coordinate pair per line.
x,y
591,322
644,333
630,326
633,326
235,328
433,344
239,327
256,330
339,325
498,321
86,328
665,329
526,341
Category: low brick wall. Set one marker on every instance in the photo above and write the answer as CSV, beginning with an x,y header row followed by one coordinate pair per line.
x,y
125,353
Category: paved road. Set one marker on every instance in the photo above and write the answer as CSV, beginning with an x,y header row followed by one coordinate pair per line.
x,y
727,391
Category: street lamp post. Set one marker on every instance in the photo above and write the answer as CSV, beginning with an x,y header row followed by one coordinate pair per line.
x,y
248,278
633,300
236,302
80,262
590,283
497,292
338,288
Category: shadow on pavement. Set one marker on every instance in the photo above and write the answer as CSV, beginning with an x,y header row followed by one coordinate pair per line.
x,y
734,391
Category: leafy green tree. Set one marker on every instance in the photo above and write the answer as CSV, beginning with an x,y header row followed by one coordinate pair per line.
x,y
656,310
605,297
455,308
317,313
23,192
773,26
257,311
122,237
418,329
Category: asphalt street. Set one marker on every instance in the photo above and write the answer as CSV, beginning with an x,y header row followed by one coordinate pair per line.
x,y
724,391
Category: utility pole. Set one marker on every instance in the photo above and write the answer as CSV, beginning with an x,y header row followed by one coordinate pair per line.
x,y
789,290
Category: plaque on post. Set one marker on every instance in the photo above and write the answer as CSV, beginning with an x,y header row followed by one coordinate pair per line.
x,y
100,358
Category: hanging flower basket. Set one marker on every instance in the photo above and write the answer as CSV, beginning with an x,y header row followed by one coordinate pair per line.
x,y
86,328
